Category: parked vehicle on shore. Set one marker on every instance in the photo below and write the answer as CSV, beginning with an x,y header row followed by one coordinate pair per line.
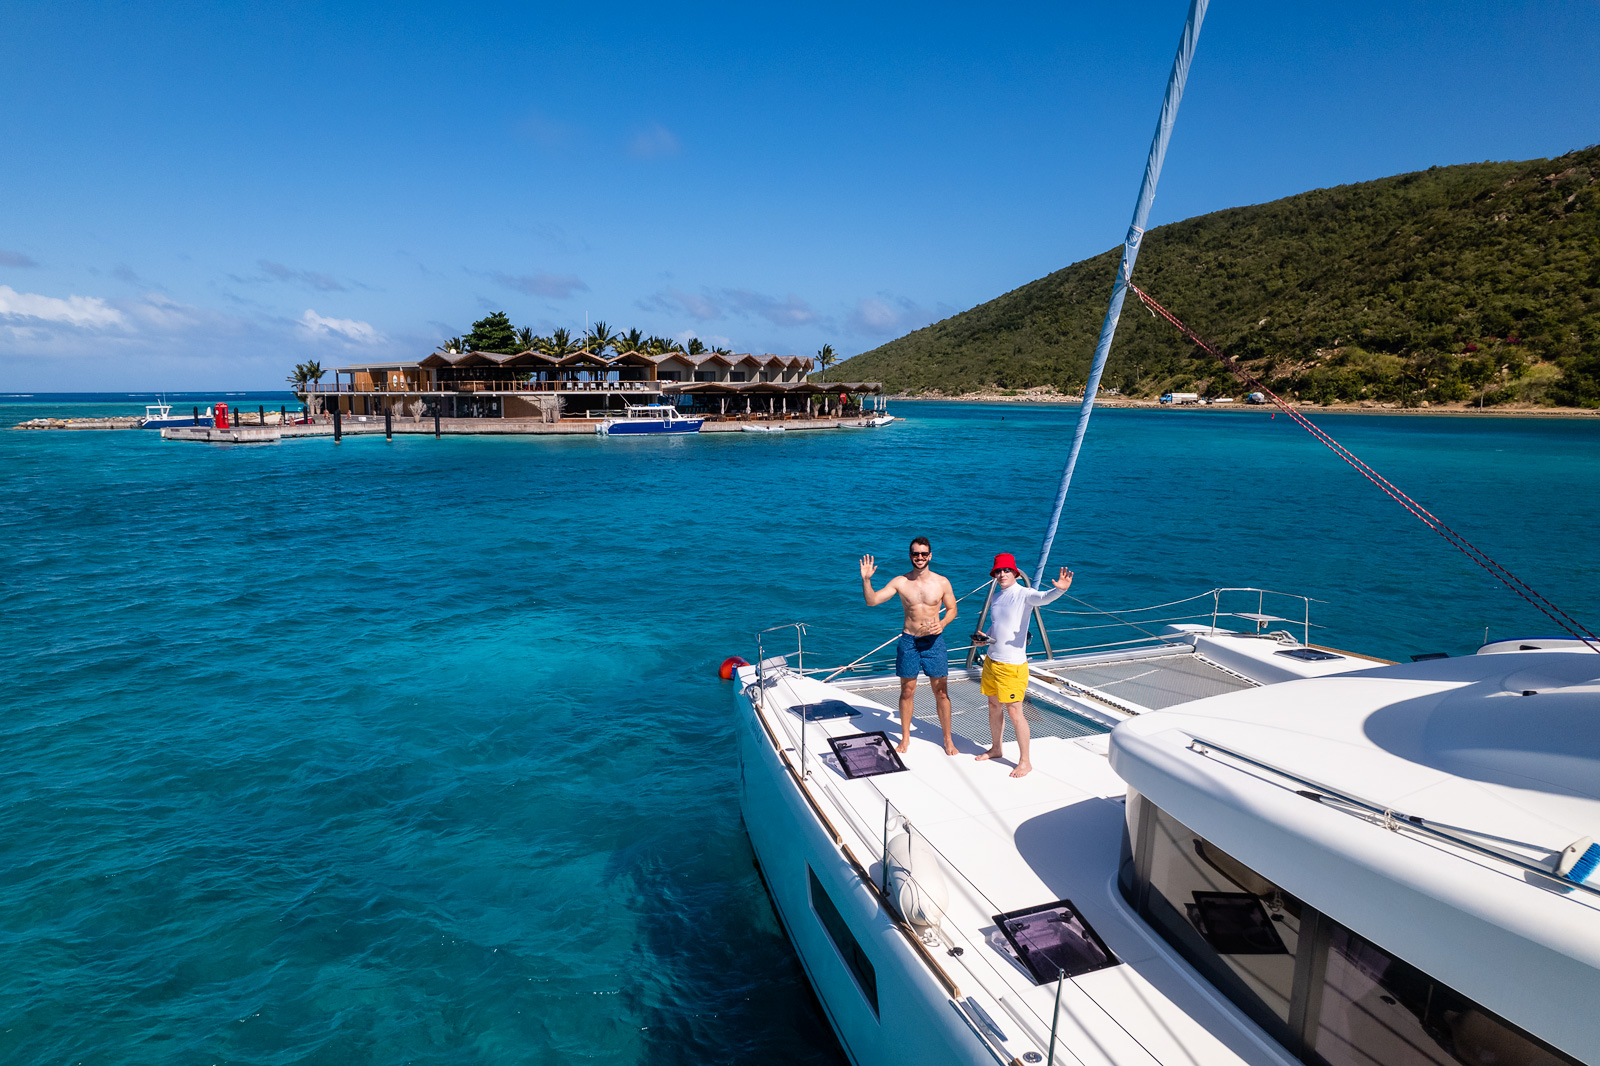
x,y
1181,397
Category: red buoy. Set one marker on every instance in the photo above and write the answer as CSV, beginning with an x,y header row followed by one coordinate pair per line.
x,y
729,665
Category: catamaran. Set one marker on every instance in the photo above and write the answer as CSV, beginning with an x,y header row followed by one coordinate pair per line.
x,y
1237,846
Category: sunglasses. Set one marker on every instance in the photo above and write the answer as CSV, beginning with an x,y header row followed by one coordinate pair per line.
x,y
920,555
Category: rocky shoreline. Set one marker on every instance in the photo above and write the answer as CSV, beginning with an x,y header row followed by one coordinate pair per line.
x,y
80,423
1048,395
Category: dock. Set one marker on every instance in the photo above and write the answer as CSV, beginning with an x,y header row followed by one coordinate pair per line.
x,y
269,434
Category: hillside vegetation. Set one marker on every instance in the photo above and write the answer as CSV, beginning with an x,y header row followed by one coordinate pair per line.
x,y
1445,285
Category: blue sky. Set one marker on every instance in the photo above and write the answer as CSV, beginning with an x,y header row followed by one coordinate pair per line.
x,y
198,196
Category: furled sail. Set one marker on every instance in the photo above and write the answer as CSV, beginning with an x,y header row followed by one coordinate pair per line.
x,y
1130,252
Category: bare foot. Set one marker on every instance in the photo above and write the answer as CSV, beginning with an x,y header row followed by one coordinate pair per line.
x,y
992,753
950,747
1022,769
904,746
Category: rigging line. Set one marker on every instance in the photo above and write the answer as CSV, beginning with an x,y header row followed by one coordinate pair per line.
x,y
1428,518
1123,621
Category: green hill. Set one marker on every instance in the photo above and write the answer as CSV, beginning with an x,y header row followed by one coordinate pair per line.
x,y
1433,286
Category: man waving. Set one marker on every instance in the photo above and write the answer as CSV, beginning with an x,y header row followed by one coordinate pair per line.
x,y
921,649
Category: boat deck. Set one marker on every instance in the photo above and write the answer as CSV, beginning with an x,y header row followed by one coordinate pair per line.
x,y
1007,844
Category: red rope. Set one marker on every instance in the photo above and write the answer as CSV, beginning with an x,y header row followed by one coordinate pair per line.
x,y
1432,521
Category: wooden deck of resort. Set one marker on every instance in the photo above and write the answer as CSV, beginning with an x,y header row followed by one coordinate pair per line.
x,y
454,427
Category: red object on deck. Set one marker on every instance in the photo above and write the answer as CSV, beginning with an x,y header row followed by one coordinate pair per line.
x,y
729,665
222,416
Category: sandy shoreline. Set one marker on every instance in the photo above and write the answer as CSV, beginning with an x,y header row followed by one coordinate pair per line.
x,y
1056,399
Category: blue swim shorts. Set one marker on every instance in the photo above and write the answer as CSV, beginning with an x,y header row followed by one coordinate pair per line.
x,y
926,655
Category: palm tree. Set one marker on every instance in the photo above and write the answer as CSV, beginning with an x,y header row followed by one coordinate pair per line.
x,y
525,338
695,347
721,351
826,357
599,339
452,344
560,343
631,341
305,374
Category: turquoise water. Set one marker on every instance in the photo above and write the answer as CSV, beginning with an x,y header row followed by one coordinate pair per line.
x,y
415,752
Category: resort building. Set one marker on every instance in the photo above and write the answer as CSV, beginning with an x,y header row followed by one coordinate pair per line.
x,y
584,385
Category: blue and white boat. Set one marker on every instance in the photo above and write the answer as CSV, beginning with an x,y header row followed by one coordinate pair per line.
x,y
650,418
160,416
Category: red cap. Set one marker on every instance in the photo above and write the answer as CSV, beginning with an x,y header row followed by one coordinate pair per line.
x,y
1004,561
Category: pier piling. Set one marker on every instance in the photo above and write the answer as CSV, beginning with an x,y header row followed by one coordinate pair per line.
x,y
338,428
436,419
388,424
197,416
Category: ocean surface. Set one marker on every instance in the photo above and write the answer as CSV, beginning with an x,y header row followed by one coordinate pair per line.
x,y
415,752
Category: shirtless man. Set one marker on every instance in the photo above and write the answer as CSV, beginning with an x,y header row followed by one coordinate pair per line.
x,y
921,649
1005,665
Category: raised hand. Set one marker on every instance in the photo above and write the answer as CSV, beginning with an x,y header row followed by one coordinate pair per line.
x,y
868,566
1064,582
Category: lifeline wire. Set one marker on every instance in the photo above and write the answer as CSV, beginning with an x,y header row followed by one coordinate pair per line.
x,y
1433,522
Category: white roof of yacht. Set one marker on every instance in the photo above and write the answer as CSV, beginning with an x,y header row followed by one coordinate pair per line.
x,y
1505,746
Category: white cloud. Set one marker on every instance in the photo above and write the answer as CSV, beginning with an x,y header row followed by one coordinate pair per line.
x,y
654,142
676,301
89,312
346,329
311,279
890,316
552,286
790,311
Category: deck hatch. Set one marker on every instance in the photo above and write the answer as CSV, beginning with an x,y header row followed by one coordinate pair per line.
x,y
824,710
866,754
1310,655
1054,940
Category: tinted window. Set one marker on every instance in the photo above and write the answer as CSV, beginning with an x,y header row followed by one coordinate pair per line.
x,y
1237,927
1328,994
1378,1009
833,924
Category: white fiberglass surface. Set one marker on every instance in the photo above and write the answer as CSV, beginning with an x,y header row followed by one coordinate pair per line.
x,y
1007,844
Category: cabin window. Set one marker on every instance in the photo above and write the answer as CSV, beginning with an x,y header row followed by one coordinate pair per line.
x,y
736,375
669,375
1239,929
1376,1008
705,375
855,959
1326,993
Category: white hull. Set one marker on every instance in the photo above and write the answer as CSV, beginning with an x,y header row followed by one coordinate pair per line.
x,y
916,1021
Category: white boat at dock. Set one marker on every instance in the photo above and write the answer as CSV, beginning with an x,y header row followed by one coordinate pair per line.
x,y
160,416
650,418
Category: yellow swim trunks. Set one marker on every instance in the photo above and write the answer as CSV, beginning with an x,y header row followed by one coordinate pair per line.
x,y
1006,681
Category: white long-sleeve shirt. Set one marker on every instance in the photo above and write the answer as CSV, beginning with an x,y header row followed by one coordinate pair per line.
x,y
1008,621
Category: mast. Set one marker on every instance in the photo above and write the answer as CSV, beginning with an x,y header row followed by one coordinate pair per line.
x,y
1130,252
